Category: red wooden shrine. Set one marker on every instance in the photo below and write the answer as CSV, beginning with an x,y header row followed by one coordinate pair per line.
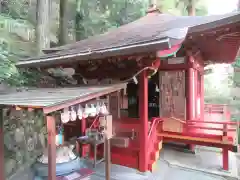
x,y
177,48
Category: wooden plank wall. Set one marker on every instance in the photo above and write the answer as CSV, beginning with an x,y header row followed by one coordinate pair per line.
x,y
172,94
114,105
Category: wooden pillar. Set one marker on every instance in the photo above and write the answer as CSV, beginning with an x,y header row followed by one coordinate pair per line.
x,y
51,129
2,168
194,102
84,147
114,105
190,94
202,96
190,104
195,93
143,115
83,126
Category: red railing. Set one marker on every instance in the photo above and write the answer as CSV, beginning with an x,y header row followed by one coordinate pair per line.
x,y
152,136
225,128
222,127
153,128
216,108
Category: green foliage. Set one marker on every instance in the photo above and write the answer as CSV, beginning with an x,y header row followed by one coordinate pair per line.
x,y
12,76
18,21
101,16
179,7
237,62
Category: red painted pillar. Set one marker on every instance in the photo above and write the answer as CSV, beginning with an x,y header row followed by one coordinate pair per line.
x,y
51,129
83,126
202,96
2,169
196,116
225,158
84,147
190,94
190,104
143,115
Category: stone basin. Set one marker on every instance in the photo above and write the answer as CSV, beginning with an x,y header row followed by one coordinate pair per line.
x,y
66,162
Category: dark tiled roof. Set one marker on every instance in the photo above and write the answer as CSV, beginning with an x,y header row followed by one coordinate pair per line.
x,y
149,29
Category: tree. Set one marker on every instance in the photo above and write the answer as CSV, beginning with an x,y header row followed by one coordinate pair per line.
x,y
191,7
78,20
63,23
70,18
42,29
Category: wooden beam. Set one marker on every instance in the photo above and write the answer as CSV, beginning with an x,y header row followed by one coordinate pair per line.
x,y
51,129
2,168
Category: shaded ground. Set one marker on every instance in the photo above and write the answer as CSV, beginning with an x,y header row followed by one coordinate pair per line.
x,y
173,165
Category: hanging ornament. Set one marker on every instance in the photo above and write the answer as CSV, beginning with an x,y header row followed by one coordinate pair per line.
x,y
93,112
80,112
65,115
73,114
86,112
103,109
98,108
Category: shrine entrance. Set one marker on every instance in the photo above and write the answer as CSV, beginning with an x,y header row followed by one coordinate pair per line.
x,y
153,97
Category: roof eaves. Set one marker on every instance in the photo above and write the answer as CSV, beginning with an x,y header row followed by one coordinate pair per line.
x,y
215,24
72,102
90,54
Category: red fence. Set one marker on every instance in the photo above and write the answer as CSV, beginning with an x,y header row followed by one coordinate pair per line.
x,y
215,108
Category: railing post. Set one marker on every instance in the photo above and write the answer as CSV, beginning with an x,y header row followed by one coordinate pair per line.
x,y
225,112
225,158
225,129
210,109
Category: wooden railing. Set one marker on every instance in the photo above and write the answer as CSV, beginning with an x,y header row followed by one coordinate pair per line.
x,y
226,128
153,128
215,108
152,136
225,131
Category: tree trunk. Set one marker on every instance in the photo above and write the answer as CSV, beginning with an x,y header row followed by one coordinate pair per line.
x,y
63,24
1,2
152,3
78,19
42,29
4,6
191,8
